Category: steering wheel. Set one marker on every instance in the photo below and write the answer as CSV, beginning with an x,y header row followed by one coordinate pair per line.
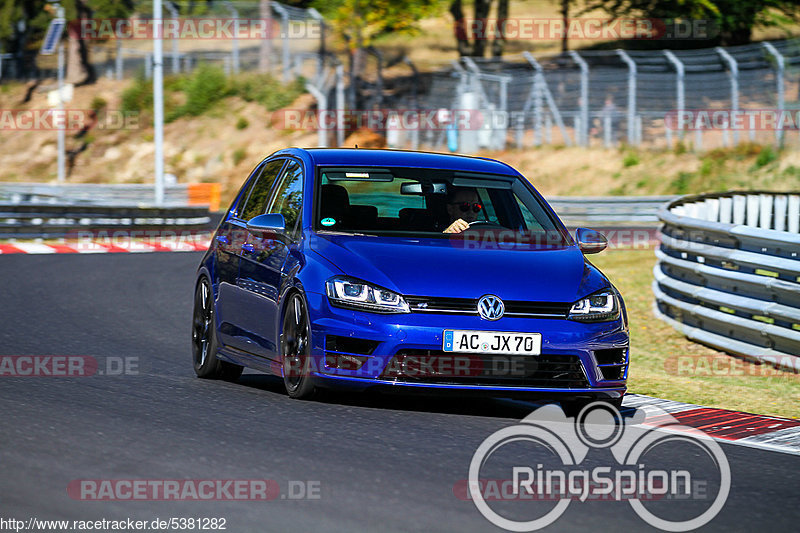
x,y
483,223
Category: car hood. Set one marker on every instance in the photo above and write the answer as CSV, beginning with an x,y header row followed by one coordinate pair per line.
x,y
438,267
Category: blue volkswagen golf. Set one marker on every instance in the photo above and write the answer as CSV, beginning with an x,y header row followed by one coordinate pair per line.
x,y
406,271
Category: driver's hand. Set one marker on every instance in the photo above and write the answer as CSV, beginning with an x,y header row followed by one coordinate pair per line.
x,y
457,227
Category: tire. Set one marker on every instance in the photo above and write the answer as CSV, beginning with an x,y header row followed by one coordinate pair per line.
x,y
204,338
296,349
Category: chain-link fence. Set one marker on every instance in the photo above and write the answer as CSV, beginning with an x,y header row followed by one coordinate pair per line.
x,y
229,34
704,98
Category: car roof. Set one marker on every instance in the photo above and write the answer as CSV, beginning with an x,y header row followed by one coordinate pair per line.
x,y
400,158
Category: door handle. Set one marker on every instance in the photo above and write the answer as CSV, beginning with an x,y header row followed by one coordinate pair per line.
x,y
223,239
247,247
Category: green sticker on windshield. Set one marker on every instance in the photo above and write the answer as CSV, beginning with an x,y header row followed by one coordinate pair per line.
x,y
328,221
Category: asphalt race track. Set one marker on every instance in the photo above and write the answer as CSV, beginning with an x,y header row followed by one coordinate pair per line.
x,y
381,463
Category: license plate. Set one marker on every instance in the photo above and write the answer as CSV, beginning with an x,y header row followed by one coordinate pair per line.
x,y
467,341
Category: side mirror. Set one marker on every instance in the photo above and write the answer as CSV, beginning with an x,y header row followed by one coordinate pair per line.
x,y
590,241
269,223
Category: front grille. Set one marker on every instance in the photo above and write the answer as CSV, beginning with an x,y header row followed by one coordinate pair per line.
x,y
436,366
469,306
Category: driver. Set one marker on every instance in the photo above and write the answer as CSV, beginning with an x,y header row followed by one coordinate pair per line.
x,y
463,206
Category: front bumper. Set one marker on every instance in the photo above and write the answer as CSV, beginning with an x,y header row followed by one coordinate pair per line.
x,y
584,346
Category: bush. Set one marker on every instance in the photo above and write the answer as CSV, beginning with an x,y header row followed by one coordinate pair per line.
x,y
630,160
138,97
266,90
98,103
766,156
706,166
238,155
680,185
207,86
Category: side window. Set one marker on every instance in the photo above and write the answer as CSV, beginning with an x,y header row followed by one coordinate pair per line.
x,y
531,224
257,201
288,198
244,192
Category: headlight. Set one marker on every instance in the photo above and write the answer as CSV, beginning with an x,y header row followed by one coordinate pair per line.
x,y
352,293
601,306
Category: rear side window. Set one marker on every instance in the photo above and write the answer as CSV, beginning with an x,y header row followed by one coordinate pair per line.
x,y
288,198
241,199
257,200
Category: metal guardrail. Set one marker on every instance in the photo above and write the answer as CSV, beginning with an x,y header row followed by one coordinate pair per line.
x,y
191,194
60,220
728,273
626,210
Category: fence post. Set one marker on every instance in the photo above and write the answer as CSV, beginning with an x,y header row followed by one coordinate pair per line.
x,y
284,39
668,134
779,61
378,96
631,95
679,70
734,68
414,103
235,52
321,53
607,130
148,66
551,103
638,128
321,95
340,105
537,90
584,103
173,11
548,129
500,136
118,60
698,136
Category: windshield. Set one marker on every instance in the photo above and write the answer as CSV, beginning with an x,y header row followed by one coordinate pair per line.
x,y
399,201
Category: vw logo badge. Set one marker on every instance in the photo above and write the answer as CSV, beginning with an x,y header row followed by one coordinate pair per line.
x,y
491,307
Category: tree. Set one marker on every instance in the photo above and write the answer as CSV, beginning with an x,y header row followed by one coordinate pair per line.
x,y
734,19
23,24
471,39
360,22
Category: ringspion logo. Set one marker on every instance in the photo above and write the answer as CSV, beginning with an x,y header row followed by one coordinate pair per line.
x,y
539,467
